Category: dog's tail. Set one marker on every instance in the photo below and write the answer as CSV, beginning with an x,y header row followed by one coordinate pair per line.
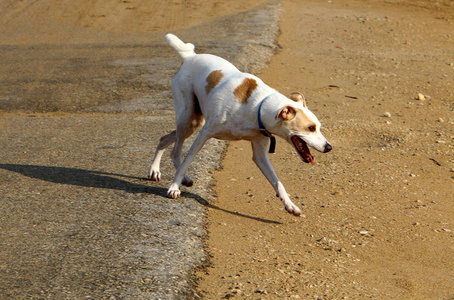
x,y
184,49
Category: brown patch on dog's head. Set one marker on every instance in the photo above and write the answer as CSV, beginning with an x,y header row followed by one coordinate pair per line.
x,y
298,97
213,80
245,90
299,120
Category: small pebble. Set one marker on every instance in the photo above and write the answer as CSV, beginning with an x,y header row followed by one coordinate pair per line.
x,y
421,97
364,232
387,115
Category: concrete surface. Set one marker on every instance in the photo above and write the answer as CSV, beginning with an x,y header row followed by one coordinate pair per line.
x,y
79,124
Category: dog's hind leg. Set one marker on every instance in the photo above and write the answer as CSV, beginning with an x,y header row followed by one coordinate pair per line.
x,y
154,172
188,119
174,189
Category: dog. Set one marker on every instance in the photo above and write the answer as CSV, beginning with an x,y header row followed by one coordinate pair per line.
x,y
212,94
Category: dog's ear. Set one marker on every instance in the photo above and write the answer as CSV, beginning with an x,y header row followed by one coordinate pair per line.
x,y
298,97
287,113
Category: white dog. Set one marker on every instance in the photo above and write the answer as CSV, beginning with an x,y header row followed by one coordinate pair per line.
x,y
209,91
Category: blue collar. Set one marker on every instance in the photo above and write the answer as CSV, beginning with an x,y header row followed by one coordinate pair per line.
x,y
263,129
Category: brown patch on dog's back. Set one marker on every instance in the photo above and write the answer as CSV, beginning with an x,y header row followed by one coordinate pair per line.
x,y
245,90
213,80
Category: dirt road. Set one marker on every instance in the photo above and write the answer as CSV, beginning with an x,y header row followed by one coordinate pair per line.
x,y
379,208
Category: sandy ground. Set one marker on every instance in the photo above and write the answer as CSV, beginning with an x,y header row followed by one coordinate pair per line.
x,y
379,210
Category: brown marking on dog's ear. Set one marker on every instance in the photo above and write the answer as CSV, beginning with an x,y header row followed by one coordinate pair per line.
x,y
287,113
213,80
245,90
298,97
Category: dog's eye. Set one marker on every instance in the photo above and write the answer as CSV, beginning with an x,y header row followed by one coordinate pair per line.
x,y
311,128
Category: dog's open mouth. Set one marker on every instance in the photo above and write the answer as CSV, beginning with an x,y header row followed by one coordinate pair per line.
x,y
302,149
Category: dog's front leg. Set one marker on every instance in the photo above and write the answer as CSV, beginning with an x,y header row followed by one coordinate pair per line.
x,y
174,189
260,157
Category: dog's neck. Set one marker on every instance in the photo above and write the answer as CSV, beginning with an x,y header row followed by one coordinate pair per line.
x,y
270,105
262,127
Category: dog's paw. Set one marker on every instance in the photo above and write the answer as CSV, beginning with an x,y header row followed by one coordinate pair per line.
x,y
187,182
173,192
292,209
154,175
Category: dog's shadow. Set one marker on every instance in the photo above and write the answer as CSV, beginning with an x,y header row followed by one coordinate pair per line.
x,y
105,180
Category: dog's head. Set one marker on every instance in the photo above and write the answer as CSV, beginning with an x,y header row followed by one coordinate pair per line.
x,y
300,127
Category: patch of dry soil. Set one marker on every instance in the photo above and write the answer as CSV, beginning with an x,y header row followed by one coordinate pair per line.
x,y
379,210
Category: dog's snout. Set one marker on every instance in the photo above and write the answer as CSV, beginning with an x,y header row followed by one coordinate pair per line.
x,y
328,148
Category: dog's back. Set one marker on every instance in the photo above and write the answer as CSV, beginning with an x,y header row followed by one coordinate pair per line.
x,y
196,66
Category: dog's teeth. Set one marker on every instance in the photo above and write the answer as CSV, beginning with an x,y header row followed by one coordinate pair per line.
x,y
301,144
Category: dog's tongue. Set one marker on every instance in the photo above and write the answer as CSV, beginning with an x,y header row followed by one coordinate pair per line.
x,y
311,159
303,150
307,154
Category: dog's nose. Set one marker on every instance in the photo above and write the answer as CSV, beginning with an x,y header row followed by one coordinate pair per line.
x,y
328,148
